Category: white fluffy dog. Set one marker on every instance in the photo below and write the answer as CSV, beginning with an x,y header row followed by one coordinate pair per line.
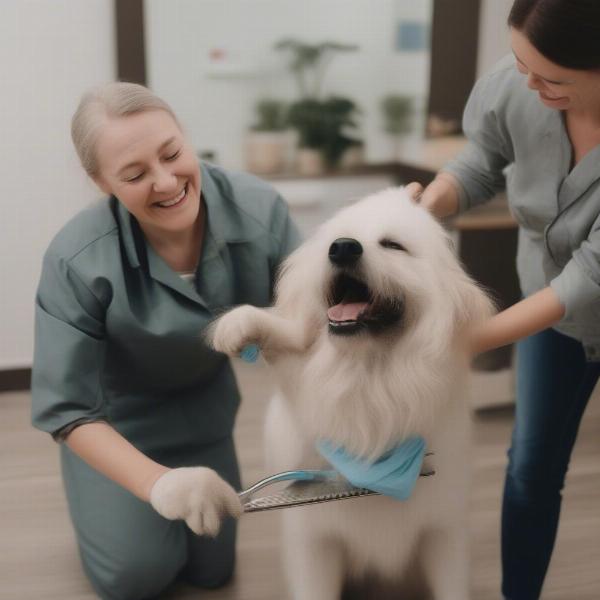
x,y
367,340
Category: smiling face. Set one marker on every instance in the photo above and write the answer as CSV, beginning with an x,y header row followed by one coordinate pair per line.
x,y
557,87
145,161
353,306
379,273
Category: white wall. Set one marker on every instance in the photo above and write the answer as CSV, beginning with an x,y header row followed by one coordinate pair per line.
x,y
218,110
494,40
50,52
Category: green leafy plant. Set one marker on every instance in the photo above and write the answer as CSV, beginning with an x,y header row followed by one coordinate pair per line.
x,y
397,111
326,125
271,115
308,62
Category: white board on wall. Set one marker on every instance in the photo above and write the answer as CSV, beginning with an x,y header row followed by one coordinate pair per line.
x,y
50,53
216,104
493,33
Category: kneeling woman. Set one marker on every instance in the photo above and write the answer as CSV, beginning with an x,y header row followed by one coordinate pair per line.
x,y
144,409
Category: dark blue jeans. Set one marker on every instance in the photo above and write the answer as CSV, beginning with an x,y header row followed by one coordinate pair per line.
x,y
554,383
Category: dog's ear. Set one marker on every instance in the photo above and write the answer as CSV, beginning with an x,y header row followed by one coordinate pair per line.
x,y
472,303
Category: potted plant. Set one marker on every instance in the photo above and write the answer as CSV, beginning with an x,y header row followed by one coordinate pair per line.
x,y
267,142
324,131
398,111
326,127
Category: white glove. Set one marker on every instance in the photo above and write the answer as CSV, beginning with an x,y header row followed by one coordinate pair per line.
x,y
197,495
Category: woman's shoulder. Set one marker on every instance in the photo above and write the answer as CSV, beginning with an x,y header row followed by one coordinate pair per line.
x,y
501,82
244,189
503,93
503,87
92,225
505,67
243,199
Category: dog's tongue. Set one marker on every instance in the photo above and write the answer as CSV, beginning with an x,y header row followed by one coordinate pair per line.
x,y
346,312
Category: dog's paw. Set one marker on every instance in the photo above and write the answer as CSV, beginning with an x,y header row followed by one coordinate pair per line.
x,y
198,496
236,329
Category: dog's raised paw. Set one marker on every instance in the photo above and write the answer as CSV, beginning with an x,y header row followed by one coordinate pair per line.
x,y
237,329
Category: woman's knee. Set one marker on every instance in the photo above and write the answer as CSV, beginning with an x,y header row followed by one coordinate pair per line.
x,y
533,480
211,562
142,575
215,579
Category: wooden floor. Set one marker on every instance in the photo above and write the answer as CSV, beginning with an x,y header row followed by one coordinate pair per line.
x,y
38,557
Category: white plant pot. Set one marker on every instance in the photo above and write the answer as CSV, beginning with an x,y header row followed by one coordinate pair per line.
x,y
309,162
266,152
352,158
406,147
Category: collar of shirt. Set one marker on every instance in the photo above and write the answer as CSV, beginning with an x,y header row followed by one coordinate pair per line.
x,y
216,237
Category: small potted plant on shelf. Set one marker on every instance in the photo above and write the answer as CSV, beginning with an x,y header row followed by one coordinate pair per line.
x,y
398,112
266,145
326,127
324,132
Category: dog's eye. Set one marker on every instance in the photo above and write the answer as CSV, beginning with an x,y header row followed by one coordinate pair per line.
x,y
392,245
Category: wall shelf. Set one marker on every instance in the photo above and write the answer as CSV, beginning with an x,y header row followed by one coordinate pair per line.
x,y
231,70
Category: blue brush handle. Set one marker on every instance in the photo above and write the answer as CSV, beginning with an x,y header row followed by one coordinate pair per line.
x,y
250,353
300,475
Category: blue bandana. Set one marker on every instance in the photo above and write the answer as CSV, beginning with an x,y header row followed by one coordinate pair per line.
x,y
394,474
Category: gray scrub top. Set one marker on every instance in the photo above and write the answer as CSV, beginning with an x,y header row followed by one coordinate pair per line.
x,y
557,207
118,332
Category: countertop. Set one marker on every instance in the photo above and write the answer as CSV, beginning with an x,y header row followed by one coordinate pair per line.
x,y
419,160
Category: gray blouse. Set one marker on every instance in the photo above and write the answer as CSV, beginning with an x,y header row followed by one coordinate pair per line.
x,y
517,143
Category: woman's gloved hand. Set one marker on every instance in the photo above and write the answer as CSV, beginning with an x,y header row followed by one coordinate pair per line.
x,y
198,496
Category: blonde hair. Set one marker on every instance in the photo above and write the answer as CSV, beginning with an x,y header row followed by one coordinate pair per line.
x,y
116,99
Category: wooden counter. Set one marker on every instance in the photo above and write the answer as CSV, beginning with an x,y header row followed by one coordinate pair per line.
x,y
491,215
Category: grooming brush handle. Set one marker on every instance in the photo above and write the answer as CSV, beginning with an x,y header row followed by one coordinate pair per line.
x,y
301,475
250,353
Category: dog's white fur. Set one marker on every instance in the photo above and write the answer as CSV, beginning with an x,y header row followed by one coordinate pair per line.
x,y
367,393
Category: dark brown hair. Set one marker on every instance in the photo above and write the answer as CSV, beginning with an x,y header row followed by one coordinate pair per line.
x,y
566,32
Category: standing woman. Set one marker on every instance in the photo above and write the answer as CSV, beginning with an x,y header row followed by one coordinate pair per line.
x,y
537,114
143,409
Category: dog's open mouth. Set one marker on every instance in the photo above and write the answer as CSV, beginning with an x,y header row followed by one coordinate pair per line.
x,y
353,308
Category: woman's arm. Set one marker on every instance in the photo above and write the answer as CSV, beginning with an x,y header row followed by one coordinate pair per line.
x,y
196,495
535,313
107,451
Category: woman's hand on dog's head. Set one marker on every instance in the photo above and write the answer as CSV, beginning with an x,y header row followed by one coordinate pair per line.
x,y
440,197
414,189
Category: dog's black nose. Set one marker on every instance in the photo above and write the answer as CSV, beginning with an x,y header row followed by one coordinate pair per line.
x,y
345,251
